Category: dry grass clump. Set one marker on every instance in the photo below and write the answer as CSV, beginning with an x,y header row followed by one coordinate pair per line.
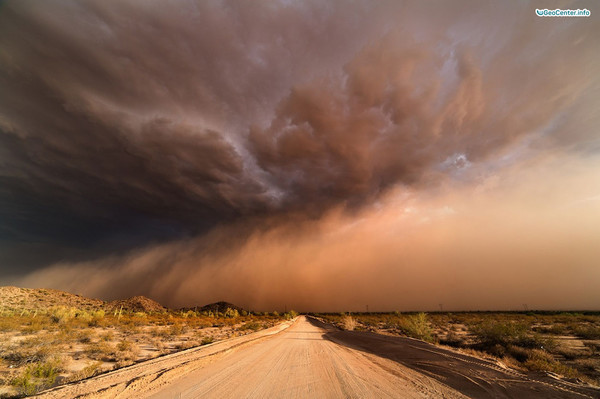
x,y
127,350
102,351
88,371
38,376
348,323
540,360
251,325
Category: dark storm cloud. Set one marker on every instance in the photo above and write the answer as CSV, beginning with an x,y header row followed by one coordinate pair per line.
x,y
114,116
123,123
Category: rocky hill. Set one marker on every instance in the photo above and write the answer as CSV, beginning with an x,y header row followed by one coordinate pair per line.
x,y
32,299
19,299
136,304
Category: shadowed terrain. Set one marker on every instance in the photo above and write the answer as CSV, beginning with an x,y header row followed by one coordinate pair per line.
x,y
474,377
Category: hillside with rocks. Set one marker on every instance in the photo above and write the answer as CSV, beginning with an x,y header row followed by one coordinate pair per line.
x,y
32,299
136,304
18,299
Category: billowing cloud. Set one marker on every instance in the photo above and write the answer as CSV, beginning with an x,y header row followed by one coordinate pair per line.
x,y
201,127
497,247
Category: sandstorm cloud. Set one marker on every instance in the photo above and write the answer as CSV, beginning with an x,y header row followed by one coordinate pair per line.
x,y
262,152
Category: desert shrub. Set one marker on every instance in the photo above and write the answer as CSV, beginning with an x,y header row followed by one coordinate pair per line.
x,y
84,336
126,351
124,345
587,332
569,354
38,376
107,336
556,329
88,371
207,340
33,326
290,315
417,326
390,324
540,360
84,317
176,329
201,323
517,352
160,332
231,313
348,323
159,345
490,334
100,351
97,319
251,325
187,344
130,328
189,313
453,339
589,365
535,341
62,314
30,350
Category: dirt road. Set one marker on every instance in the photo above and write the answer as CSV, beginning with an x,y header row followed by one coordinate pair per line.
x,y
313,360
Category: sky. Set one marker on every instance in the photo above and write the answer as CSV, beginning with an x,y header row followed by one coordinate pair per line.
x,y
321,156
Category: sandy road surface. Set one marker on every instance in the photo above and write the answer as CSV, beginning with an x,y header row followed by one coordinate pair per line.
x,y
313,360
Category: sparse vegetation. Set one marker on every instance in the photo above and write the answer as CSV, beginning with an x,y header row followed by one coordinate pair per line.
x,y
39,328
567,344
38,376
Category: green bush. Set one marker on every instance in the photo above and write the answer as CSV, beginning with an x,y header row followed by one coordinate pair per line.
x,y
251,325
417,326
38,376
491,334
231,313
290,315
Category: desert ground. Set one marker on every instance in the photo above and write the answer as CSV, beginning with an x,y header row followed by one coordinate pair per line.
x,y
50,337
564,345
308,358
58,345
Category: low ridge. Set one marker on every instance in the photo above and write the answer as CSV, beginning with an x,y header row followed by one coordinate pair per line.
x,y
136,304
19,299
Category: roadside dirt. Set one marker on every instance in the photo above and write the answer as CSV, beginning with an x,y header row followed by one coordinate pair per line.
x,y
306,358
